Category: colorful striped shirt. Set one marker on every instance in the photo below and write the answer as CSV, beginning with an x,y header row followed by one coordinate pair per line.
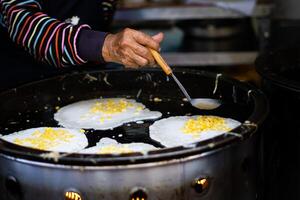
x,y
50,40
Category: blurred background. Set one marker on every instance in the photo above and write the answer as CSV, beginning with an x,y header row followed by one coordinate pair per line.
x,y
213,35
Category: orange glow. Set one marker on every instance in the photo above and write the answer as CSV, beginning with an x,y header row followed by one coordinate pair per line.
x,y
201,181
72,196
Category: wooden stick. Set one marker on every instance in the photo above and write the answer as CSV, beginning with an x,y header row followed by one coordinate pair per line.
x,y
161,62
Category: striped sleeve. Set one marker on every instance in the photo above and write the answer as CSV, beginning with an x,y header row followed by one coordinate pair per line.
x,y
47,39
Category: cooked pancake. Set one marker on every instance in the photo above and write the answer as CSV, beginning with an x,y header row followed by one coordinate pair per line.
x,y
50,139
110,146
184,130
103,114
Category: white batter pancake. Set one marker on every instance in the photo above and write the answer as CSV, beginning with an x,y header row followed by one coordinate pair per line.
x,y
110,146
184,130
50,139
103,114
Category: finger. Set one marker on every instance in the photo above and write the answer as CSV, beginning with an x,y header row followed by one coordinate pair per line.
x,y
128,63
158,37
131,66
143,52
146,40
139,60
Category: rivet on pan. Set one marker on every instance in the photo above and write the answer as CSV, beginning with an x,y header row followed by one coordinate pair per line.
x,y
72,195
200,185
13,187
138,194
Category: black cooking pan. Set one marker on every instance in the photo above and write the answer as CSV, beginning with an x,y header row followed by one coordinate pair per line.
x,y
33,105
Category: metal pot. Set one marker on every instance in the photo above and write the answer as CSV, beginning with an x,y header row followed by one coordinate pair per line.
x,y
224,167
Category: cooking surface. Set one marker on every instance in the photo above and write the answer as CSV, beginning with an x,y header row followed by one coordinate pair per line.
x,y
40,108
130,132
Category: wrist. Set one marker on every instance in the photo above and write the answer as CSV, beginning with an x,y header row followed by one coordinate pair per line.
x,y
106,50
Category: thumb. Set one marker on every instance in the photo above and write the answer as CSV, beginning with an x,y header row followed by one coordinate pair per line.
x,y
158,37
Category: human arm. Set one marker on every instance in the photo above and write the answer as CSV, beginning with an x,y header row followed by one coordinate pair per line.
x,y
47,39
61,44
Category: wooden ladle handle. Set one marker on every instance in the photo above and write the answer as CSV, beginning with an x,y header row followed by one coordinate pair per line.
x,y
161,62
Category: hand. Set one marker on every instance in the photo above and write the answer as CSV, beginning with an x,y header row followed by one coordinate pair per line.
x,y
130,48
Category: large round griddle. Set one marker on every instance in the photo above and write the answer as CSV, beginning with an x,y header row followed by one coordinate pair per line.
x,y
33,105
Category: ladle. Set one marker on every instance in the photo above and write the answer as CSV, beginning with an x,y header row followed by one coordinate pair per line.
x,y
201,103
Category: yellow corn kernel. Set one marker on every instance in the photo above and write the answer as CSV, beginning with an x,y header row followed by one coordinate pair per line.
x,y
111,106
45,139
205,123
113,149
